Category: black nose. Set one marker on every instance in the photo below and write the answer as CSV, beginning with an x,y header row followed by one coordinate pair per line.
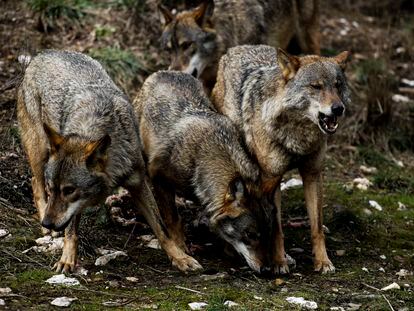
x,y
266,271
194,73
47,223
338,109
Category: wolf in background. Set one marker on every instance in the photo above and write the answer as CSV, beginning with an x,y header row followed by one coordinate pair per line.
x,y
81,138
286,107
197,153
198,37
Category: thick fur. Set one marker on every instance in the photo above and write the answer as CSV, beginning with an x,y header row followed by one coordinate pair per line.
x,y
195,152
82,140
197,38
279,101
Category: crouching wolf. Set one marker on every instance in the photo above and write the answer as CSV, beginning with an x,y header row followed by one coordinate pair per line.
x,y
81,138
286,107
198,37
197,153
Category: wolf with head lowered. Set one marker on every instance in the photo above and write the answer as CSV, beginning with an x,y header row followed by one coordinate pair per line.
x,y
81,138
199,154
196,38
286,107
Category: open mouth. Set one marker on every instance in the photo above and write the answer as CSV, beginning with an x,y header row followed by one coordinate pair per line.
x,y
328,124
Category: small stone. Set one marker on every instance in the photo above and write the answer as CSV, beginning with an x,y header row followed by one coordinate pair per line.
x,y
62,280
291,183
391,286
367,212
401,207
2,302
403,273
306,304
362,183
340,252
5,291
197,305
132,279
398,98
335,290
368,170
365,269
230,304
257,297
383,257
4,233
375,205
297,250
62,301
278,282
408,82
107,256
381,270
353,306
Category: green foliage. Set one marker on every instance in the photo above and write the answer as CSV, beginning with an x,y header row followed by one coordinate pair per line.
x,y
122,65
50,11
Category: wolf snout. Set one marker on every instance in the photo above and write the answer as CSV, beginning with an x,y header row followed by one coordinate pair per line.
x,y
338,109
48,223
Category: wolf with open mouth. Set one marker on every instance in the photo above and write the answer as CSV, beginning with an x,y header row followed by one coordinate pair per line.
x,y
286,107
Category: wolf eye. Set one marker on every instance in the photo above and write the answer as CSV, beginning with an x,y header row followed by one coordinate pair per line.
x,y
68,190
316,86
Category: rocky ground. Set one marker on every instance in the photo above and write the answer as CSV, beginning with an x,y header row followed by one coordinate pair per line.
x,y
371,245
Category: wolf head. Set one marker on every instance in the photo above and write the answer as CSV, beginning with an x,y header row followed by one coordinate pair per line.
x,y
74,176
244,221
189,38
316,85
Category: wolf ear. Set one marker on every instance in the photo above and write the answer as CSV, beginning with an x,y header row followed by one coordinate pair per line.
x,y
203,12
55,139
342,59
235,191
168,17
96,153
288,64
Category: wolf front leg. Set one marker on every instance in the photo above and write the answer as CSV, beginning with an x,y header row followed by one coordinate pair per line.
x,y
312,183
145,201
69,257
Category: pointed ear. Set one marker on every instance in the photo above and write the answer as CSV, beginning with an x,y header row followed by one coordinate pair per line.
x,y
55,139
235,191
96,153
168,17
288,64
203,12
342,59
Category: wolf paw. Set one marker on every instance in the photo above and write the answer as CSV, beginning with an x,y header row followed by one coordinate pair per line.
x,y
53,233
281,268
186,264
325,266
66,264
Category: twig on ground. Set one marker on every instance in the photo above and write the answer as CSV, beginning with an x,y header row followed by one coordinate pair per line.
x,y
102,293
11,255
130,234
153,269
189,289
389,303
372,287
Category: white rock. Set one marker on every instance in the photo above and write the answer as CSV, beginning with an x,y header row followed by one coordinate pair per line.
x,y
337,309
367,212
375,205
403,273
362,183
107,256
197,305
365,269
368,169
229,303
398,98
307,304
391,286
400,50
408,82
210,277
257,297
383,257
401,207
154,243
48,244
24,59
290,260
353,306
62,301
5,291
132,279
291,183
4,233
81,271
63,280
381,269
2,302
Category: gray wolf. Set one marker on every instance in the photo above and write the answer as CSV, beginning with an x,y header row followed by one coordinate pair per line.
x,y
198,37
286,107
197,153
81,138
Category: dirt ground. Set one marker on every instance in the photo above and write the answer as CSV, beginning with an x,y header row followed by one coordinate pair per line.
x,y
369,248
